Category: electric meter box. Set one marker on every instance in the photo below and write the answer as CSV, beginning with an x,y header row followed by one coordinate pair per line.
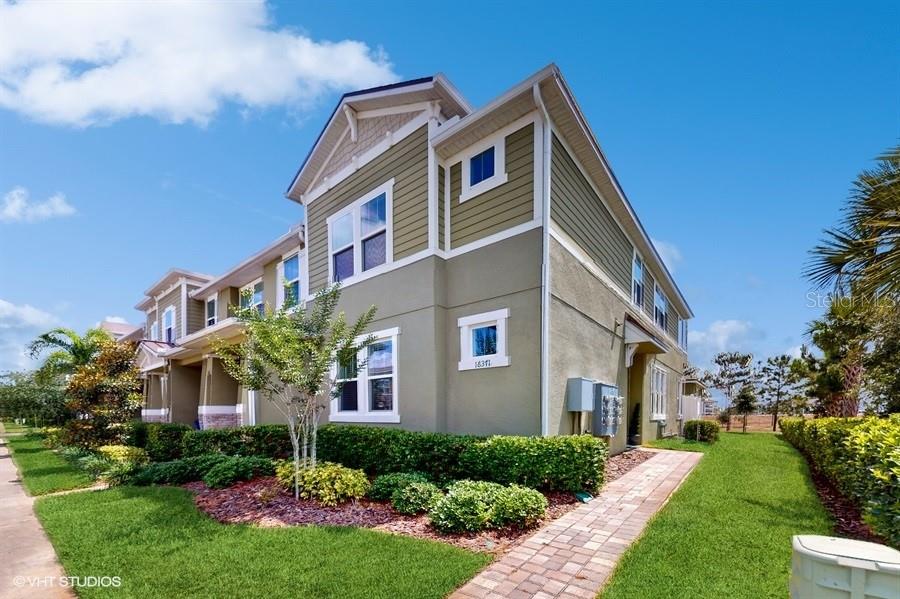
x,y
580,395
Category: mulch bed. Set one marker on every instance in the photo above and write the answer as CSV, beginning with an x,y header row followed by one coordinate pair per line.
x,y
264,502
848,520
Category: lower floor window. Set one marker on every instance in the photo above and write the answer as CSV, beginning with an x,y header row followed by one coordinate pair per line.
x,y
659,384
482,340
367,383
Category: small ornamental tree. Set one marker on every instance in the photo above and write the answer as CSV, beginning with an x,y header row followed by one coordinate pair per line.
x,y
288,355
745,403
105,394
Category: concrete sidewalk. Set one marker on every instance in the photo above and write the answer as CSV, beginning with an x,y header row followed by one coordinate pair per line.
x,y
28,564
572,557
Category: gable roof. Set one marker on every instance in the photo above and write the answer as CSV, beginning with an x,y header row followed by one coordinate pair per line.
x,y
569,123
424,89
172,276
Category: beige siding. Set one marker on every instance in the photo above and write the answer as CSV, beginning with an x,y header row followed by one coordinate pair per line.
x,y
196,312
152,317
370,132
672,323
442,197
407,163
581,214
230,296
502,207
173,298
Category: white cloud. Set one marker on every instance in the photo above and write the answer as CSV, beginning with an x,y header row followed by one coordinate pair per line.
x,y
20,324
17,207
719,336
79,63
117,319
794,351
669,253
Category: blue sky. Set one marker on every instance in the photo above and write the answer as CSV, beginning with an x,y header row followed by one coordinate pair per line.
x,y
735,129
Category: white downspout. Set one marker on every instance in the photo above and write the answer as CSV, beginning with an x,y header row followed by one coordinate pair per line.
x,y
545,263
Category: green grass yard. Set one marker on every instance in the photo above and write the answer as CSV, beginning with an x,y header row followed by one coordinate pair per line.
x,y
727,531
43,470
162,546
11,427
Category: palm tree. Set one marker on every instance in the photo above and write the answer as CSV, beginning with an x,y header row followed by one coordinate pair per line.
x,y
863,253
70,350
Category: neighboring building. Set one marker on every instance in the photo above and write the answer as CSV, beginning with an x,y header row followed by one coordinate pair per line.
x,y
503,256
122,331
184,382
694,399
710,407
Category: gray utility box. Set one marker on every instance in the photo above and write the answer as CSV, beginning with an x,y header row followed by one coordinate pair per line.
x,y
607,410
587,395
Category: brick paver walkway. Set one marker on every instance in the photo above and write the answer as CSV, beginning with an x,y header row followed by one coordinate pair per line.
x,y
572,557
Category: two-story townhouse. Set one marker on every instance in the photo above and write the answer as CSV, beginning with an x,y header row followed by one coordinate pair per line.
x,y
504,259
184,381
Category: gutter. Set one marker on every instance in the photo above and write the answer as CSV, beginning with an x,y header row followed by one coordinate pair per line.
x,y
545,260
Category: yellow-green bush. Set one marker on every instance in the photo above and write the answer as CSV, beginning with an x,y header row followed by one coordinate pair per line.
x,y
124,453
329,484
861,456
51,436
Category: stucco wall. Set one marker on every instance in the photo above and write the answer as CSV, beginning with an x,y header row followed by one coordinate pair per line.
x,y
184,393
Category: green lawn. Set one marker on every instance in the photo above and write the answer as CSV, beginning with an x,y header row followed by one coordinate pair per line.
x,y
680,444
162,546
11,427
727,531
44,471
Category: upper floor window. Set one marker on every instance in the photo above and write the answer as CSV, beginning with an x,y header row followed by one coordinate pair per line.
x,y
683,334
211,311
252,295
154,331
637,281
481,166
169,325
660,309
482,340
290,281
359,237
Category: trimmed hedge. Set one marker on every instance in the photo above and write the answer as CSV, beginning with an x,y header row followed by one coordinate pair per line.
x,y
563,463
163,441
179,471
708,431
237,468
384,486
267,440
861,456
416,497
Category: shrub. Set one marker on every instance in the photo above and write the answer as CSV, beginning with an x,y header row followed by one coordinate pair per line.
x,y
329,484
416,497
136,434
701,430
563,463
94,465
164,441
121,473
176,472
379,450
267,440
384,486
73,453
52,437
124,453
861,456
470,506
237,468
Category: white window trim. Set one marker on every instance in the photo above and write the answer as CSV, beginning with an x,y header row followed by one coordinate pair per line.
x,y
215,317
635,258
387,188
496,141
659,383
658,290
469,362
154,331
362,374
279,292
251,287
169,310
